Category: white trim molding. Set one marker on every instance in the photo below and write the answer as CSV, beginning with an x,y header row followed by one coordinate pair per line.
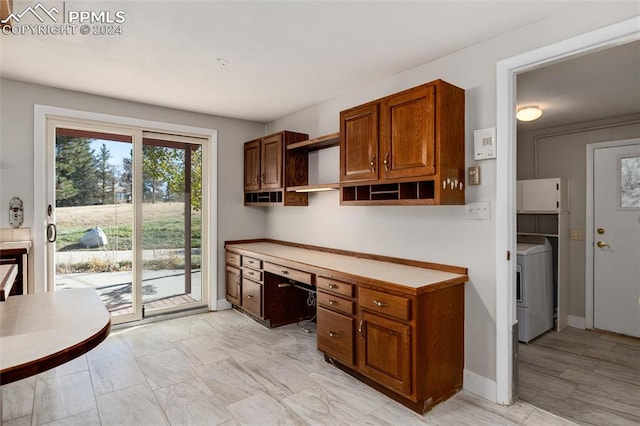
x,y
479,385
506,72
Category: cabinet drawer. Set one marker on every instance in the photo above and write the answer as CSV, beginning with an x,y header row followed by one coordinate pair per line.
x,y
335,303
232,259
252,274
294,274
333,286
252,297
386,304
335,335
251,262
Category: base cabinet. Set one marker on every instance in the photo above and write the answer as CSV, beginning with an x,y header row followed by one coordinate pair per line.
x,y
234,287
385,352
335,335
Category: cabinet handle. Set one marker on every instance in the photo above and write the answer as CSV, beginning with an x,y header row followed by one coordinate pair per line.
x,y
250,262
334,334
360,327
238,279
262,178
333,286
373,163
380,304
249,296
285,272
333,302
386,162
255,179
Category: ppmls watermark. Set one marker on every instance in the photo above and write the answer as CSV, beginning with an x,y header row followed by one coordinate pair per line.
x,y
56,19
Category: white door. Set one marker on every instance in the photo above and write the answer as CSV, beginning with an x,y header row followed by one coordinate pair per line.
x,y
616,237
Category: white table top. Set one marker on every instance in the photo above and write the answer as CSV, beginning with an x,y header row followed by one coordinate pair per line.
x,y
44,328
403,275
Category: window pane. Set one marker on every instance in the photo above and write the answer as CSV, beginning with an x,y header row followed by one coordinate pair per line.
x,y
630,182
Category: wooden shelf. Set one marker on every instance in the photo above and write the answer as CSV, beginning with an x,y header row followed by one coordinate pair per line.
x,y
315,144
315,188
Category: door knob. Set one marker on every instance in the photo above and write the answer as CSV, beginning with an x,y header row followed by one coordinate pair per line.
x,y
602,244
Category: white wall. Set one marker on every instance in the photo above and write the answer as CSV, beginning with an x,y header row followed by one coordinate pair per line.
x,y
16,153
561,152
437,234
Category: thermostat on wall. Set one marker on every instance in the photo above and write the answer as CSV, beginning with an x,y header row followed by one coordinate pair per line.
x,y
484,141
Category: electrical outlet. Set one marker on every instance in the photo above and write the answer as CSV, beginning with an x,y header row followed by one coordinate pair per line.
x,y
575,234
480,210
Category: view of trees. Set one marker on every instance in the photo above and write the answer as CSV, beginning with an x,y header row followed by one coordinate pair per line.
x,y
85,177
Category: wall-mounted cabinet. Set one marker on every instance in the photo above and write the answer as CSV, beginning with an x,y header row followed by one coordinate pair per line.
x,y
407,148
270,168
542,196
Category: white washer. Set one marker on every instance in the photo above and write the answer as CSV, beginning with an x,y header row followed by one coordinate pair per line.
x,y
534,290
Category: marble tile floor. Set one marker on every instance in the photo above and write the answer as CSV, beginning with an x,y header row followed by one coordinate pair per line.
x,y
222,368
590,377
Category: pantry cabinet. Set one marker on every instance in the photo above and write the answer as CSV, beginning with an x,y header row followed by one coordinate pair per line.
x,y
406,148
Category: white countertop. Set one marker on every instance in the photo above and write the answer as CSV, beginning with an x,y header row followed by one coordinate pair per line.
x,y
12,245
37,327
403,275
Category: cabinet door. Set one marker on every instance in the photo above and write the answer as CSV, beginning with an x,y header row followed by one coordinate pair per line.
x,y
252,165
540,195
385,352
359,143
252,297
407,134
234,289
271,162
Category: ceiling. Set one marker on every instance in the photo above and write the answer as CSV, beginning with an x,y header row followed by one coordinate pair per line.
x,y
281,56
598,85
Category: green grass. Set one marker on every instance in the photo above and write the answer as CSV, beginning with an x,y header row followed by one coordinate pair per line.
x,y
157,234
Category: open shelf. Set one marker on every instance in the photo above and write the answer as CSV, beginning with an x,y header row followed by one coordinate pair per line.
x,y
420,192
315,188
315,144
269,198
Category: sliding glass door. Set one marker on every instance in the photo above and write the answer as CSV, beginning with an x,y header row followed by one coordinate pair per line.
x,y
125,217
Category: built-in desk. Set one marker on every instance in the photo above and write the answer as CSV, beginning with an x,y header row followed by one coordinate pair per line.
x,y
40,331
396,324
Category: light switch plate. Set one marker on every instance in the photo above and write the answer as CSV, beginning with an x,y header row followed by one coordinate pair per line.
x,y
473,177
480,210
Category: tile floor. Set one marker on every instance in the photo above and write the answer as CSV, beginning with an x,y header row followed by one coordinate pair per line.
x,y
590,377
224,368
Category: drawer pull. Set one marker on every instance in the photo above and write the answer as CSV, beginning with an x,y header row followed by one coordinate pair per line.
x,y
334,334
283,285
360,327
380,304
333,286
285,272
250,262
251,273
333,302
249,296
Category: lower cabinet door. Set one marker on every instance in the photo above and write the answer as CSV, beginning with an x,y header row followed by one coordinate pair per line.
x,y
233,285
252,297
335,335
385,352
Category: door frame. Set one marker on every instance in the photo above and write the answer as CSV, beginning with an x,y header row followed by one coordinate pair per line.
x,y
42,113
506,72
589,277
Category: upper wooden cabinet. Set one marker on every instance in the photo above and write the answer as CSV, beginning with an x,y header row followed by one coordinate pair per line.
x,y
359,143
406,148
269,169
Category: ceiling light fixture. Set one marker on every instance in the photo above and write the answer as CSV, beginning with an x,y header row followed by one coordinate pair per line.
x,y
528,113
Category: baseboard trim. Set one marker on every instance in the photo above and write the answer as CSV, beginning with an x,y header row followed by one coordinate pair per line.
x,y
577,322
223,304
480,385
